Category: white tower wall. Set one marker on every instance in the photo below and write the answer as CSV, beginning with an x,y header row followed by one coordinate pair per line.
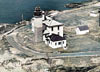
x,y
37,22
37,28
32,22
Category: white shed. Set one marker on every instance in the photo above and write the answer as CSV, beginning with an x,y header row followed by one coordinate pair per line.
x,y
94,13
81,30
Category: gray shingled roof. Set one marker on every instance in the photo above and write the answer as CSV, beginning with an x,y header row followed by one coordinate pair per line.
x,y
82,28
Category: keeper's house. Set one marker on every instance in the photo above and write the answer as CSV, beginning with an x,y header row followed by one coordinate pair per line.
x,y
81,30
53,34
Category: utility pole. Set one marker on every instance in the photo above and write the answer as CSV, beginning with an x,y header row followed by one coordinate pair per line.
x,y
99,16
49,61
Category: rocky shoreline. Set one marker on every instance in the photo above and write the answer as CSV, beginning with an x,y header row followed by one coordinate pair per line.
x,y
78,5
12,60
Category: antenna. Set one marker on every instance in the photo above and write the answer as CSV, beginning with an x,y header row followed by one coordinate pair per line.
x,y
22,17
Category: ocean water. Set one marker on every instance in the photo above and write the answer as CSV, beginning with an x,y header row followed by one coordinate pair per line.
x,y
12,10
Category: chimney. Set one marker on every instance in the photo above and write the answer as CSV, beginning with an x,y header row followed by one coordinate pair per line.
x,y
44,15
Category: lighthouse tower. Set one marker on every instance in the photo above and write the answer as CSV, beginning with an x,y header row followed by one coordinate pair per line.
x,y
37,24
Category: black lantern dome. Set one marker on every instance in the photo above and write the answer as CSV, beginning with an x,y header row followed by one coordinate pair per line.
x,y
38,11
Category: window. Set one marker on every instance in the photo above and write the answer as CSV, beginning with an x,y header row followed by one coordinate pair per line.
x,y
55,43
52,28
58,27
45,27
59,43
63,42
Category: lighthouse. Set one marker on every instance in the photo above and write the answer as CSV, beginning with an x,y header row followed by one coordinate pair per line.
x,y
36,22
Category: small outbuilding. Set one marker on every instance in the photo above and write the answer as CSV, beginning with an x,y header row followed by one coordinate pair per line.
x,y
81,30
94,13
